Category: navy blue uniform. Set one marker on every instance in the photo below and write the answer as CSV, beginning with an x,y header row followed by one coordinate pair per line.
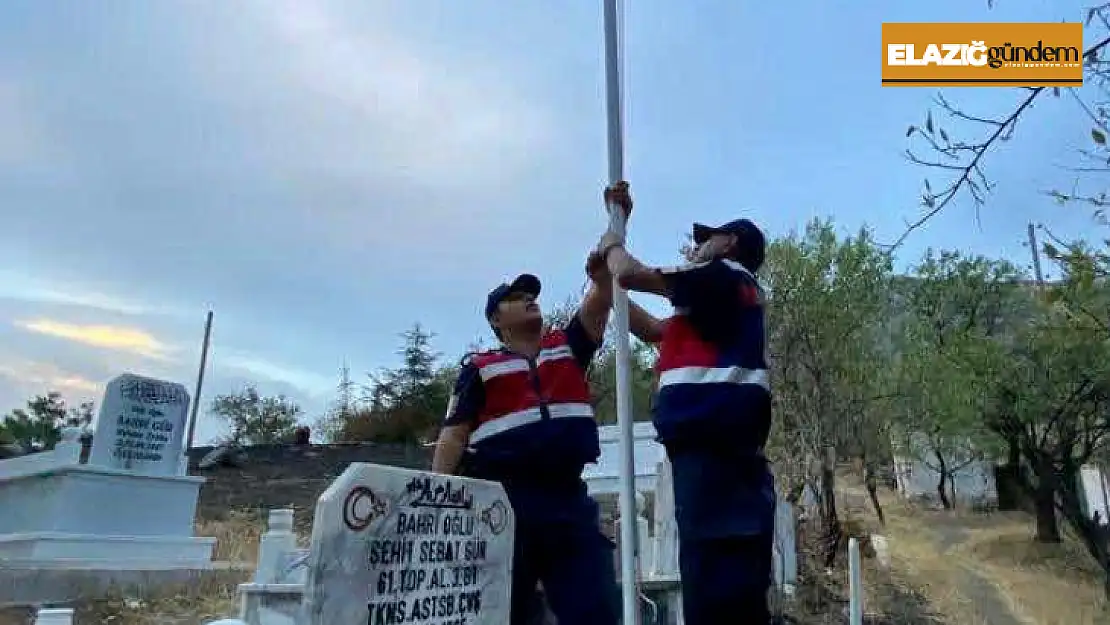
x,y
533,430
713,415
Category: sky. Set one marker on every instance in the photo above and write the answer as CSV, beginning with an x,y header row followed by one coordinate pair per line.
x,y
322,174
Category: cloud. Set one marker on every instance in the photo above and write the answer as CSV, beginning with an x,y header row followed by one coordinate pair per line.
x,y
119,338
266,160
290,142
305,381
27,288
418,115
43,377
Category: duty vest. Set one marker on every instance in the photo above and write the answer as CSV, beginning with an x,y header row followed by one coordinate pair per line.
x,y
708,391
537,415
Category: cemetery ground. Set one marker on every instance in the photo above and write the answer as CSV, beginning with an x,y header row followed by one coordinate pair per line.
x,y
210,596
822,597
947,568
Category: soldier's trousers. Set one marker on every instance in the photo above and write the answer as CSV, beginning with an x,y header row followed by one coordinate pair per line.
x,y
724,506
559,542
725,580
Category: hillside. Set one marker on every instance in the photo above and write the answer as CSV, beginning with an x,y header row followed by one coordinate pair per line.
x,y
275,476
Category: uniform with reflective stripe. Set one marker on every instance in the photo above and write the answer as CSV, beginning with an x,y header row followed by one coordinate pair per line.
x,y
709,391
537,418
713,414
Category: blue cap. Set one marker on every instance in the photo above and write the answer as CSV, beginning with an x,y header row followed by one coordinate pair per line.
x,y
524,283
750,243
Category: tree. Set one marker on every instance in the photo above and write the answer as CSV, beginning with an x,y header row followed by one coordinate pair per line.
x,y
255,419
405,404
826,314
1050,405
956,312
603,382
39,425
963,159
341,410
418,366
1055,400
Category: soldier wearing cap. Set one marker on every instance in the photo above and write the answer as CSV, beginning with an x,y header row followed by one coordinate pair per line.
x,y
522,415
712,413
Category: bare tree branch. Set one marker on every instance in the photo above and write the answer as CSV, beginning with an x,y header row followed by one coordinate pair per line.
x,y
971,177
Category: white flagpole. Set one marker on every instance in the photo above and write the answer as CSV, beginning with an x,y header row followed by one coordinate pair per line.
x,y
627,500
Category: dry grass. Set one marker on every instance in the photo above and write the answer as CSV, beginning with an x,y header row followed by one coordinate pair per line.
x,y
1047,584
889,599
916,560
211,596
892,591
960,559
236,536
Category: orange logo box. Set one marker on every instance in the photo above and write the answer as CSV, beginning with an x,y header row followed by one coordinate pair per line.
x,y
983,55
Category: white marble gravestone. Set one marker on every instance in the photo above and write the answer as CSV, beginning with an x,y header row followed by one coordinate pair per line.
x,y
129,508
141,426
398,546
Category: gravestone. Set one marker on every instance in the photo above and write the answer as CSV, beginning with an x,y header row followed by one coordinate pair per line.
x,y
141,426
398,546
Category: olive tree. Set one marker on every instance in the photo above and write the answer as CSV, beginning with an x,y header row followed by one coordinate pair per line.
x,y
826,316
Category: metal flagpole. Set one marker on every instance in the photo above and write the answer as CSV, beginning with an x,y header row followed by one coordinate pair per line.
x,y
200,382
627,499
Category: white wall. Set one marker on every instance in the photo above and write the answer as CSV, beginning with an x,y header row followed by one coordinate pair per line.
x,y
1096,491
604,477
973,483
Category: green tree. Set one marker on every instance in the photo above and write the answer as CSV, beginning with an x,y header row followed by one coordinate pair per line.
x,y
405,404
39,425
410,382
1050,404
956,312
1054,400
827,314
256,419
603,382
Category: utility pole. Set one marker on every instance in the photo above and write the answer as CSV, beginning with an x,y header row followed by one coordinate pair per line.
x,y
1036,251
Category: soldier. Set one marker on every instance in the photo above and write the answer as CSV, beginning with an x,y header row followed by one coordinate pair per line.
x,y
712,413
521,415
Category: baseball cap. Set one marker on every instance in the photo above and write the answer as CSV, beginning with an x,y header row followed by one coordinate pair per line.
x,y
524,283
750,243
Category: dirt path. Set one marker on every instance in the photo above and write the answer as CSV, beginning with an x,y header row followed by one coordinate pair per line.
x,y
987,603
922,554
